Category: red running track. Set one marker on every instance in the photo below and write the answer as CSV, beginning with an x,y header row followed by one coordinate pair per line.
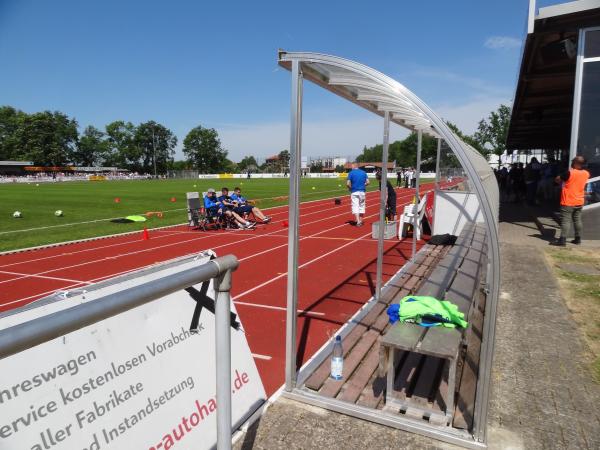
x,y
336,273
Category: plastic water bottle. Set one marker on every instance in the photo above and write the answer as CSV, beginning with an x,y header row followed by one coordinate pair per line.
x,y
337,359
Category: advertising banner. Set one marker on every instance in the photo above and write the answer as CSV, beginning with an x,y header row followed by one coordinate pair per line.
x,y
429,211
138,380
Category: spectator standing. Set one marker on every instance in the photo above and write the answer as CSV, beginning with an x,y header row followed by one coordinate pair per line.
x,y
399,175
572,199
531,178
357,183
407,178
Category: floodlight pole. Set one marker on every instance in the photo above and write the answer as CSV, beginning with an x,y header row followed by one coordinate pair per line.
x,y
292,278
417,199
382,203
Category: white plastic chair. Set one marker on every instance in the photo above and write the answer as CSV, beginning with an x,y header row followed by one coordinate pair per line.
x,y
407,218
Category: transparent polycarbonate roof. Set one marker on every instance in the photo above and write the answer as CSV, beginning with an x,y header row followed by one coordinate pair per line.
x,y
378,93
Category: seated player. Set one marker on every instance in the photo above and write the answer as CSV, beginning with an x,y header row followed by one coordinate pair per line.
x,y
217,208
390,207
225,199
243,207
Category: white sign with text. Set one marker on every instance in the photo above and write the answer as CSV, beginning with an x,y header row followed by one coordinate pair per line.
x,y
139,380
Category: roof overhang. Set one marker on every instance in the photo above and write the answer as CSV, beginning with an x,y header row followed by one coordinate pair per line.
x,y
367,88
543,102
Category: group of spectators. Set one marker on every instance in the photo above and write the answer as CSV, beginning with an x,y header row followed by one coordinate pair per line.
x,y
531,182
234,208
546,181
406,176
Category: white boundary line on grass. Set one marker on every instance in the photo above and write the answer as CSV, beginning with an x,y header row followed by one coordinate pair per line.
x,y
251,237
95,238
168,245
141,214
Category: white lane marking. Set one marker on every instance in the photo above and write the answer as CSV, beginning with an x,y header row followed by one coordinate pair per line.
x,y
24,275
300,267
166,211
153,230
265,357
278,308
40,295
178,243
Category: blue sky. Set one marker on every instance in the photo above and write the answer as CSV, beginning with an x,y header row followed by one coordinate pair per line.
x,y
184,63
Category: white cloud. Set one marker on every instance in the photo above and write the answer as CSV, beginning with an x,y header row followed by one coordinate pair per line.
x,y
502,42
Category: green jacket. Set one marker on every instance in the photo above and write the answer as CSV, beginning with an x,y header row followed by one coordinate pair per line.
x,y
425,310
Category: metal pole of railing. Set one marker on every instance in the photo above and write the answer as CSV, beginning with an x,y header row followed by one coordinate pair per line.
x,y
21,337
383,203
294,199
437,163
223,357
417,184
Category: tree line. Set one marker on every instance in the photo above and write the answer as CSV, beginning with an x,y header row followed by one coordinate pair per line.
x,y
489,138
51,138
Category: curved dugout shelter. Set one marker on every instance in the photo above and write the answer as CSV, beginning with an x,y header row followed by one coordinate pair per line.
x,y
395,103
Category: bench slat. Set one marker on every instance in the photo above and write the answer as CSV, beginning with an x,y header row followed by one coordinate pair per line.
x,y
403,336
461,292
441,342
406,378
331,387
426,384
359,379
318,377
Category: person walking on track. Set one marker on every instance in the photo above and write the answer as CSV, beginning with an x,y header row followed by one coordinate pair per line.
x,y
572,198
357,183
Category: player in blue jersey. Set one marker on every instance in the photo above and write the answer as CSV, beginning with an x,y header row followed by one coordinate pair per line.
x,y
243,207
357,183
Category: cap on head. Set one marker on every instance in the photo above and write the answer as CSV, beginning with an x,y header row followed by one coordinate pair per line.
x,y
210,191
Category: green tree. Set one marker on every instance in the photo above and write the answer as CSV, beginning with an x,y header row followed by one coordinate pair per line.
x,y
203,150
284,160
47,138
316,167
179,165
157,146
473,140
492,132
11,120
404,152
247,163
92,148
122,151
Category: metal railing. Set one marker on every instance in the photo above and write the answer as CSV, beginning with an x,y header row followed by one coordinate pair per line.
x,y
43,329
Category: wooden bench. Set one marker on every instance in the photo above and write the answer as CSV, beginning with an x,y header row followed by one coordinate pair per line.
x,y
361,384
407,349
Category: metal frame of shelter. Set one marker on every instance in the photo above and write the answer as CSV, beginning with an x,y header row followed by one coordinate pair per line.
x,y
388,98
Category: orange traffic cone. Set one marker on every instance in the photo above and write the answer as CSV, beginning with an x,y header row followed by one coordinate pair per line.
x,y
145,235
173,199
117,200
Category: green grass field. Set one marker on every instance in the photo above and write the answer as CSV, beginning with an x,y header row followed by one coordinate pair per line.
x,y
94,201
